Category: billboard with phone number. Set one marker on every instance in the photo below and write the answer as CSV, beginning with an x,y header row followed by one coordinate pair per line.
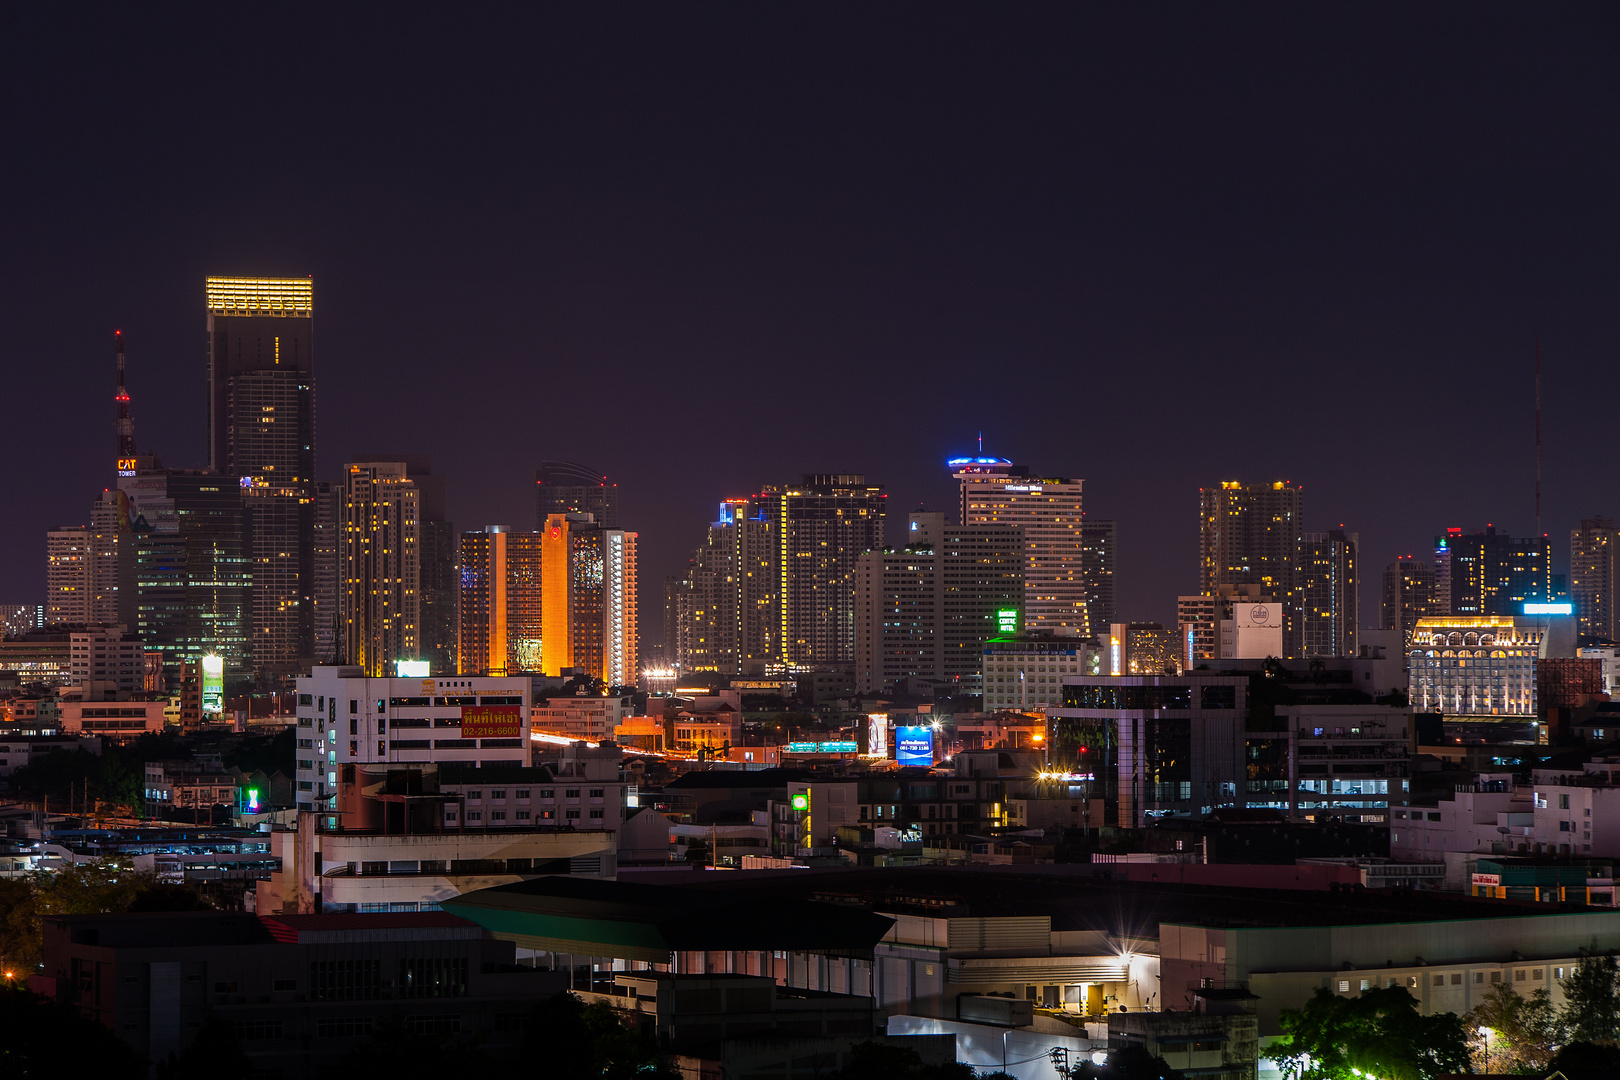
x,y
492,722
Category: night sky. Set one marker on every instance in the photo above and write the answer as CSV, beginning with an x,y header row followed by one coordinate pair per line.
x,y
708,247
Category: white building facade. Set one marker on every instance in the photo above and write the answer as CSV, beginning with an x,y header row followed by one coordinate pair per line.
x,y
345,717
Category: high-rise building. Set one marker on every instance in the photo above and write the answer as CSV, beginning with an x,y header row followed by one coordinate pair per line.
x,y
925,612
1208,625
1330,589
588,599
21,618
378,568
1594,571
721,613
67,577
820,526
1100,540
436,544
1251,535
567,487
1493,573
327,536
261,430
996,491
112,561
1442,571
500,611
1409,595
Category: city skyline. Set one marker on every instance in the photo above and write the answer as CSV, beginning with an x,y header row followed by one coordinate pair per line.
x,y
1162,286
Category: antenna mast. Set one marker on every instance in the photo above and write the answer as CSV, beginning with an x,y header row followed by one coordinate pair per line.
x,y
126,426
1538,438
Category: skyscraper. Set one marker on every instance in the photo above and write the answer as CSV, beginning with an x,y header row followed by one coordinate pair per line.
x,y
994,491
721,614
379,546
1100,542
567,487
1409,595
67,576
261,430
1594,571
436,546
820,527
192,575
1330,593
588,599
500,612
1250,534
925,612
1493,573
327,532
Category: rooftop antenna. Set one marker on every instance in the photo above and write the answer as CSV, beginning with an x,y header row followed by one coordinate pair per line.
x,y
981,444
126,426
1538,437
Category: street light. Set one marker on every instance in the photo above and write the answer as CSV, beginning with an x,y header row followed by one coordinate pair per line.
x,y
1485,1033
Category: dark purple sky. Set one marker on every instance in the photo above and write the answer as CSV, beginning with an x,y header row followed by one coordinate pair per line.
x,y
707,247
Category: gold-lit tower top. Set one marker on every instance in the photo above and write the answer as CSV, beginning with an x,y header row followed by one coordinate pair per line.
x,y
293,297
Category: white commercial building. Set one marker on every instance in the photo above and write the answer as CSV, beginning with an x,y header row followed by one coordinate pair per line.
x,y
1484,665
1254,632
345,717
104,663
1558,813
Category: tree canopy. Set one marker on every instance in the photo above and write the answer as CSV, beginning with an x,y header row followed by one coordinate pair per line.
x,y
1380,1032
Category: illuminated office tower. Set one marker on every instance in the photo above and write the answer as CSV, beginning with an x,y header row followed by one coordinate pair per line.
x,y
500,602
820,527
1100,540
111,561
994,491
327,530
621,631
1594,567
261,430
924,613
1409,595
436,557
567,487
21,618
721,614
378,563
701,605
67,576
193,583
588,598
1250,534
1330,592
1493,573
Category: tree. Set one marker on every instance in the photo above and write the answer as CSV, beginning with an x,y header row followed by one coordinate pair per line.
x,y
1517,1032
19,930
1592,999
1588,1058
890,1061
1379,1032
395,1050
215,1052
46,1040
575,1039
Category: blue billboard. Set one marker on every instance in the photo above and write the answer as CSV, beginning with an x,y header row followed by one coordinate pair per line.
x,y
914,746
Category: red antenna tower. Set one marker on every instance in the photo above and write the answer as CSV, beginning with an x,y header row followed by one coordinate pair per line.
x,y
126,426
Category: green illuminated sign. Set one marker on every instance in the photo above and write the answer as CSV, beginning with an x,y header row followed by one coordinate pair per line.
x,y
1007,620
801,802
